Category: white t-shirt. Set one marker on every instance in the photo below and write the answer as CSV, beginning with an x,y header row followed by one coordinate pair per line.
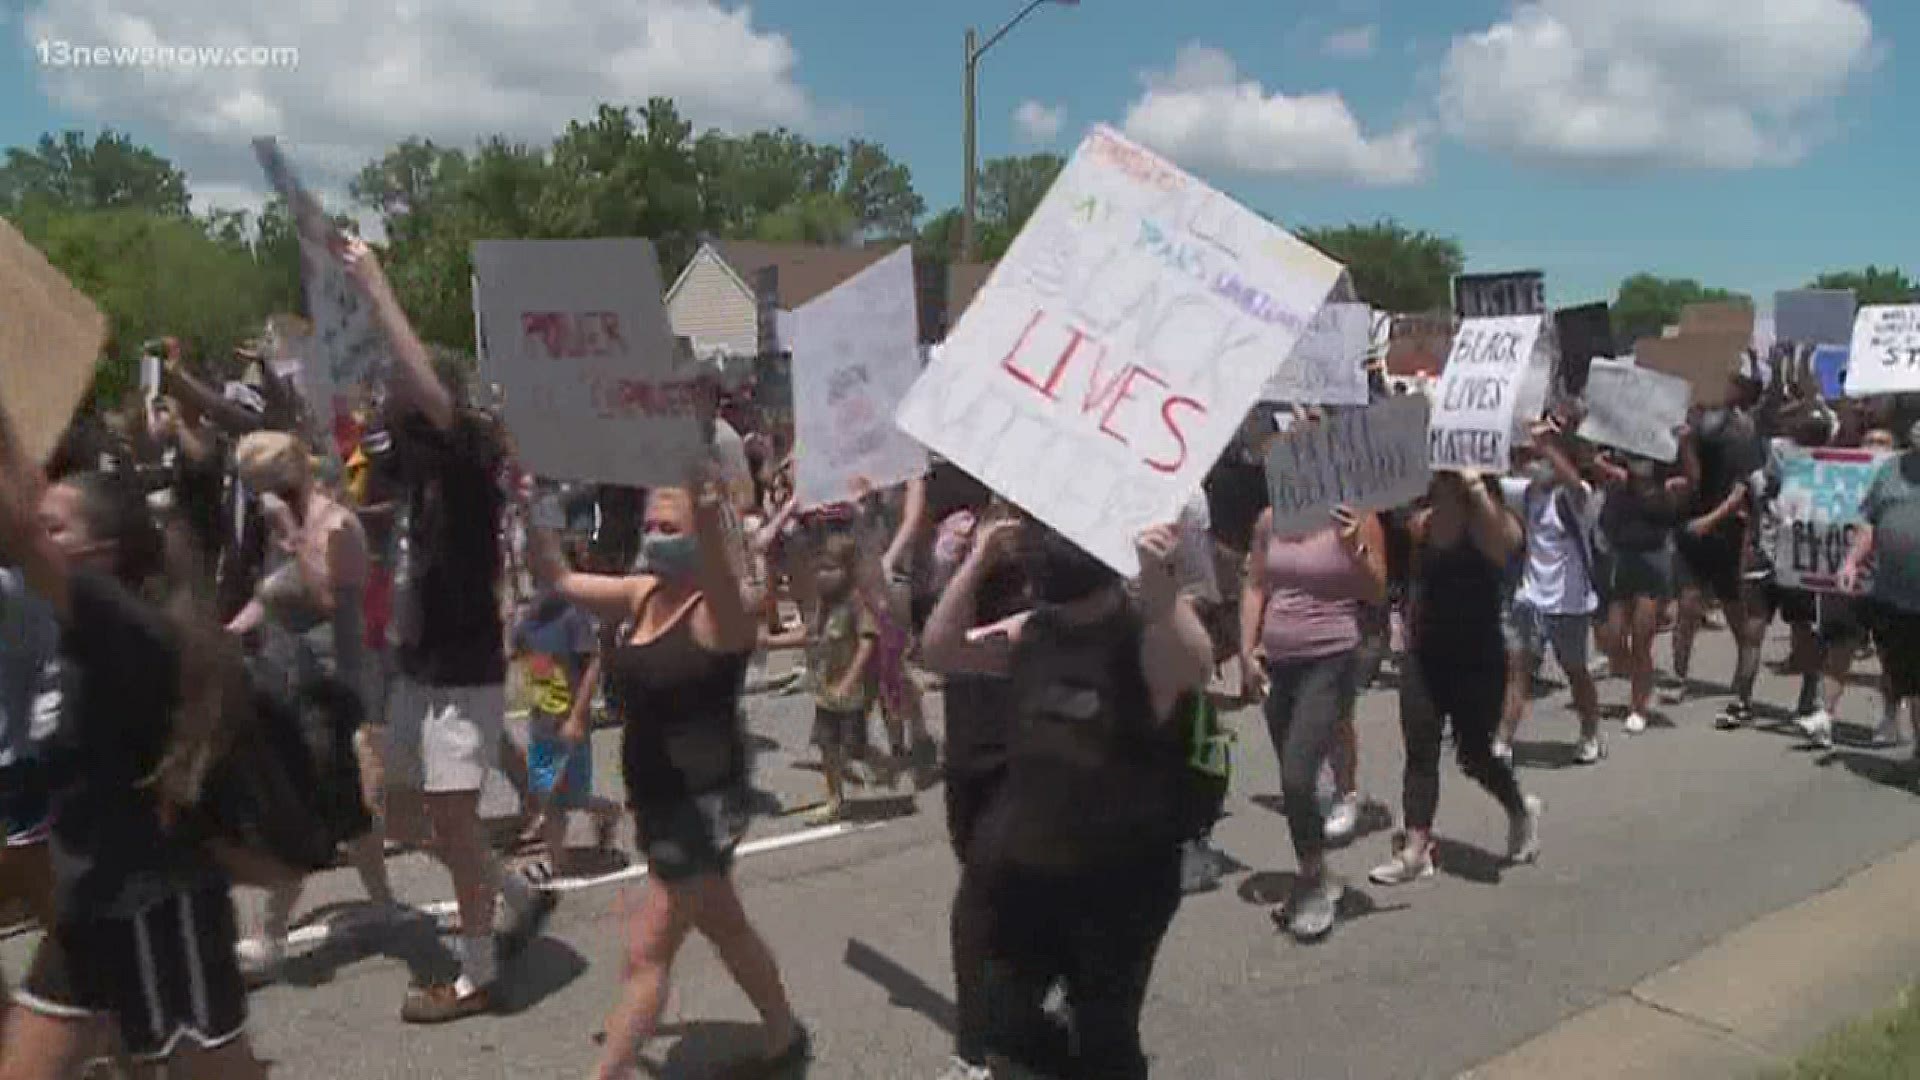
x,y
1556,581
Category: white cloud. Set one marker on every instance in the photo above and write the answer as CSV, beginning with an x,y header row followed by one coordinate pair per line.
x,y
371,72
1039,124
1729,84
1355,41
1204,114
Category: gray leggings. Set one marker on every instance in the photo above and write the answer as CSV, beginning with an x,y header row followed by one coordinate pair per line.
x,y
1305,704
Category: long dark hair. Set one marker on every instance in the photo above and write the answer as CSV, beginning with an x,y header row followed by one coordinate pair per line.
x,y
163,567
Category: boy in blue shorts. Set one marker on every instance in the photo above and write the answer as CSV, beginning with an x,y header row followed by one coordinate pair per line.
x,y
556,641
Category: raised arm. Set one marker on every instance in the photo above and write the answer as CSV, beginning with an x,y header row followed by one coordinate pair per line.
x,y
951,643
913,530
1494,529
412,382
1176,654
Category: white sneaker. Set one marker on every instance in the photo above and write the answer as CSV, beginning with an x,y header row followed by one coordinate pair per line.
x,y
1503,752
261,959
1343,819
1406,866
1818,727
1523,832
1888,735
1673,693
960,1069
1636,723
1590,751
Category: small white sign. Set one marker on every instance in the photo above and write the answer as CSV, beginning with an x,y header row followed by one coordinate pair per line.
x,y
1328,366
1635,409
1886,351
1369,459
1480,393
856,353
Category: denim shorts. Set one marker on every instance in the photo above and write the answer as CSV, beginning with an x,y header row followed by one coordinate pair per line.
x,y
1529,630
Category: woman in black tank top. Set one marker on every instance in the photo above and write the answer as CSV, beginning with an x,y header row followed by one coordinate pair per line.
x,y
679,663
1456,668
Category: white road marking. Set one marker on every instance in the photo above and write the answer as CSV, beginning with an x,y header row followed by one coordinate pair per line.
x,y
444,910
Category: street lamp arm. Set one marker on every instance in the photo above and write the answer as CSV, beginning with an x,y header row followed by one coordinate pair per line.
x,y
1004,30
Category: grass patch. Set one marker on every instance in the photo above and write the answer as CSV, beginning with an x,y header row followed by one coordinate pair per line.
x,y
1885,1046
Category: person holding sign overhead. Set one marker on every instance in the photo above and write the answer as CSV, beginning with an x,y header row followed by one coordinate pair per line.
x,y
1457,667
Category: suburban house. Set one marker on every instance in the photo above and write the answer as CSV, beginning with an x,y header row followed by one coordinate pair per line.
x,y
712,302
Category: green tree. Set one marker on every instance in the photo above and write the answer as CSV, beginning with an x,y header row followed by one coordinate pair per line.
x,y
939,238
1394,268
810,219
1647,304
1872,285
1010,190
111,172
879,192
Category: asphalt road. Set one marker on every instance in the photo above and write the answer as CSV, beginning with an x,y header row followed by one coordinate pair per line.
x,y
1681,836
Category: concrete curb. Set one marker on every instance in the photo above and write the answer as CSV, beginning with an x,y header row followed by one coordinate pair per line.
x,y
1754,999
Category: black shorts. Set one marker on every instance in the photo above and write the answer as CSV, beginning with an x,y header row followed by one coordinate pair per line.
x,y
692,838
1842,621
1710,564
165,974
843,730
1638,574
1765,598
1898,634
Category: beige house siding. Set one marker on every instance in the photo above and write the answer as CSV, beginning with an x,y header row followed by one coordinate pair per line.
x,y
710,305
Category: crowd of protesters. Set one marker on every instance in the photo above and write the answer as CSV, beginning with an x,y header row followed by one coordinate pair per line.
x,y
237,649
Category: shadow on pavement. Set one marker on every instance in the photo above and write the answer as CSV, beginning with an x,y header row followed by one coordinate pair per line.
x,y
714,1048
905,990
1466,861
544,969
1886,771
1275,887
353,937
1544,755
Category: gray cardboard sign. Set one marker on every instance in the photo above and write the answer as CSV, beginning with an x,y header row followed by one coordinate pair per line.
x,y
1814,316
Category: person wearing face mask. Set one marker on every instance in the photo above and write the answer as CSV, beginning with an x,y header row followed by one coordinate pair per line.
x,y
1076,857
681,664
1891,538
308,626
1554,602
1299,640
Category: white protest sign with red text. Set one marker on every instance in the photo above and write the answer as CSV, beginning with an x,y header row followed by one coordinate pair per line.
x,y
1105,364
576,335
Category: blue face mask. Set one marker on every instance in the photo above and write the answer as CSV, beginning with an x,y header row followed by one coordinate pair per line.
x,y
668,556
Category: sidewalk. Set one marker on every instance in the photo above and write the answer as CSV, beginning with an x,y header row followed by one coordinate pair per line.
x,y
1755,999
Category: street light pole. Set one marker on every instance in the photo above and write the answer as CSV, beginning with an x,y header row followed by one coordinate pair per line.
x,y
968,187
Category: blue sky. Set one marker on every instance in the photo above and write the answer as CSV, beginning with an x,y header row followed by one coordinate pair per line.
x,y
1748,143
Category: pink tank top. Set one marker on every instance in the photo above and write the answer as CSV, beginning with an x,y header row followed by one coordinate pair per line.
x,y
1313,598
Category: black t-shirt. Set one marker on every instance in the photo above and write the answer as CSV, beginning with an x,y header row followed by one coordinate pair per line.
x,y
450,631
1729,453
199,497
978,708
120,688
1236,494
1639,515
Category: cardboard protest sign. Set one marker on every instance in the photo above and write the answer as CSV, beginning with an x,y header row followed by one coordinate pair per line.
x,y
1585,332
1814,316
595,388
1479,393
1114,351
1830,367
1487,296
1886,351
1368,459
50,340
1328,365
1708,361
1731,317
856,353
1819,507
1635,409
